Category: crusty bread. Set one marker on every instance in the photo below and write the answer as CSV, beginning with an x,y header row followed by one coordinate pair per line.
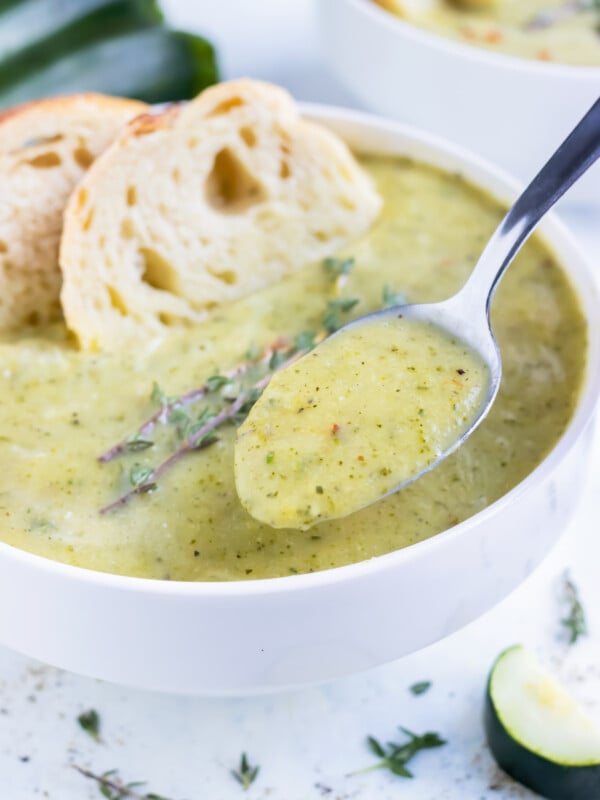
x,y
45,148
200,205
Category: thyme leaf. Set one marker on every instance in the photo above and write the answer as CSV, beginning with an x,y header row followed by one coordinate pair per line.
x,y
158,396
135,445
420,687
395,757
338,267
575,622
391,299
89,721
305,340
139,474
277,359
216,382
245,774
342,305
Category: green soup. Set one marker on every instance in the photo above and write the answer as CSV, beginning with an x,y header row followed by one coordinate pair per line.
x,y
362,413
60,408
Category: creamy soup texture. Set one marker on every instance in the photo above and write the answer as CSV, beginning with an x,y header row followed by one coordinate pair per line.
x,y
546,30
365,411
60,409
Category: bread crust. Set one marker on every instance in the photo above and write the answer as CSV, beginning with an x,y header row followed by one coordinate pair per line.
x,y
45,147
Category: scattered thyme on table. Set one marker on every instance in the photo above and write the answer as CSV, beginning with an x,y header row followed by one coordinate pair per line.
x,y
89,721
575,622
395,757
245,774
420,687
113,788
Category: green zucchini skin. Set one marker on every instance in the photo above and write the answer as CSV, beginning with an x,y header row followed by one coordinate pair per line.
x,y
33,32
156,65
547,778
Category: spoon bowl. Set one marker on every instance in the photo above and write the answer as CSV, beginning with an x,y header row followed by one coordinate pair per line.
x,y
466,321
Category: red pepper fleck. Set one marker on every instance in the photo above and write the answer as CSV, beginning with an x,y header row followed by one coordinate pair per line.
x,y
361,458
335,428
493,37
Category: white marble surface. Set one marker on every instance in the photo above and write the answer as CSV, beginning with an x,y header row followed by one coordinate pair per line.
x,y
306,741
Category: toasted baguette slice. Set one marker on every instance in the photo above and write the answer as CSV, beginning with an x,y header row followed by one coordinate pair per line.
x,y
45,148
201,205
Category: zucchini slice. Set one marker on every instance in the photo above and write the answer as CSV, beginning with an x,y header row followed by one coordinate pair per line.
x,y
537,732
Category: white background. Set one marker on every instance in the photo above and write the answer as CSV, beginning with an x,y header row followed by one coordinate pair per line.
x,y
184,747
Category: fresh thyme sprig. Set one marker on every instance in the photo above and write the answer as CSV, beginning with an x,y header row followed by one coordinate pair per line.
x,y
89,721
169,405
395,757
575,622
196,432
245,774
112,787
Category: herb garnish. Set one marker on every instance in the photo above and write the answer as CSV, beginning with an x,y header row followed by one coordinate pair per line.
x,y
113,788
342,305
89,721
338,267
232,393
575,622
395,757
245,774
420,687
139,475
391,298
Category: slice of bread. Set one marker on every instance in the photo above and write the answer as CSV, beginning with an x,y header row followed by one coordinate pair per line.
x,y
45,148
200,205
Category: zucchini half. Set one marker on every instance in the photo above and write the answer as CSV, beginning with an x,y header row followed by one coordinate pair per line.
x,y
536,731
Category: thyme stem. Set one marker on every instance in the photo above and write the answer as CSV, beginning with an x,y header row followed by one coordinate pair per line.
x,y
108,785
186,399
194,442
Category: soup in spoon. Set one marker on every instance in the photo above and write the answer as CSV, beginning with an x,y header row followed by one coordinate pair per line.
x,y
367,410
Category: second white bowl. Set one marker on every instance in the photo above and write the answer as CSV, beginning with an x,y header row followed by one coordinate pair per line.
x,y
511,110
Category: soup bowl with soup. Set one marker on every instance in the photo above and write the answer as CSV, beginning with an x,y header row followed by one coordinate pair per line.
x,y
483,74
193,594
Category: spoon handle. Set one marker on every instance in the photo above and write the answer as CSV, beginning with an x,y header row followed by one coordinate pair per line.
x,y
574,156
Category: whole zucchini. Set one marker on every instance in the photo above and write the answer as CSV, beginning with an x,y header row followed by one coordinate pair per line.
x,y
34,31
155,65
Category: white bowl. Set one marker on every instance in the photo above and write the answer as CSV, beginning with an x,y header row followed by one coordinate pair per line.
x,y
512,110
255,636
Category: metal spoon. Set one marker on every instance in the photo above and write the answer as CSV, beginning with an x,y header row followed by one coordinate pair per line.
x,y
466,315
